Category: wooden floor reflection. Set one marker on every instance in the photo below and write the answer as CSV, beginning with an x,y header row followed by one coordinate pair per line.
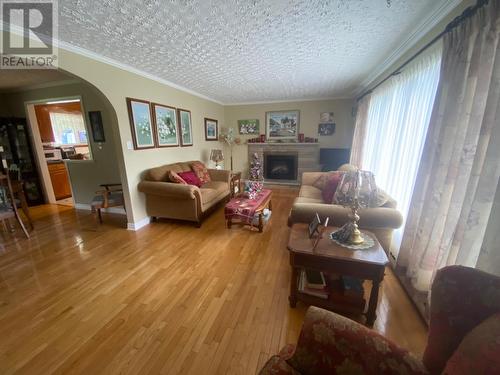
x,y
169,298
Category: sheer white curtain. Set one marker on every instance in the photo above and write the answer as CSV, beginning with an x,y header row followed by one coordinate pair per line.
x,y
396,126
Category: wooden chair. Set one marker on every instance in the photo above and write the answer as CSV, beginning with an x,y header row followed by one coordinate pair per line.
x,y
111,196
21,201
8,206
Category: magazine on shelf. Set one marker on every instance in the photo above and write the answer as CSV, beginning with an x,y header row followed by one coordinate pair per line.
x,y
304,288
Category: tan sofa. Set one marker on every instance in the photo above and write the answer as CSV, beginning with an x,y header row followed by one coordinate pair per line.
x,y
166,199
380,220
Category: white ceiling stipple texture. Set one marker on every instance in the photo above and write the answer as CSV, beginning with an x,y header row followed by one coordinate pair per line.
x,y
246,50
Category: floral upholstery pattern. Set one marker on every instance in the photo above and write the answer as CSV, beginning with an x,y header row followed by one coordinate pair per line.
x,y
461,299
332,344
201,171
464,336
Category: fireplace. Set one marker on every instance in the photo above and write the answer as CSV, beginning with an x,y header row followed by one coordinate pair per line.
x,y
280,166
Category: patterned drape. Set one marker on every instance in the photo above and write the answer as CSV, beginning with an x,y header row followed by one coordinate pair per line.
x,y
358,140
460,166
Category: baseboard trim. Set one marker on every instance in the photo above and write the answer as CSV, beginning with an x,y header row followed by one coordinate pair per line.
x,y
110,210
139,224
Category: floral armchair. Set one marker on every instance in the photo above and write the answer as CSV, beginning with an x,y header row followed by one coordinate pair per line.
x,y
464,336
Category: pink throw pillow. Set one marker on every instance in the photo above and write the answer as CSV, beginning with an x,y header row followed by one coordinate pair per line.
x,y
191,178
174,177
330,187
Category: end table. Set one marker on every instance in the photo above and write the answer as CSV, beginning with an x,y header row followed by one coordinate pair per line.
x,y
331,258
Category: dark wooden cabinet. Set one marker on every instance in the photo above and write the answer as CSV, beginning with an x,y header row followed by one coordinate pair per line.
x,y
60,180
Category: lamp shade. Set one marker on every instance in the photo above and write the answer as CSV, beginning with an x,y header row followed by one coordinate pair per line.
x,y
216,155
356,188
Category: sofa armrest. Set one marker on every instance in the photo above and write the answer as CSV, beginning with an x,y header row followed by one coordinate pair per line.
x,y
332,344
461,298
169,189
380,217
220,175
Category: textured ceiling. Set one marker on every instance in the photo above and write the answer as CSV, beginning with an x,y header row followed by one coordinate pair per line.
x,y
246,50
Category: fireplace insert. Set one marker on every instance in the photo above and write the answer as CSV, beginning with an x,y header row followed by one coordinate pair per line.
x,y
280,167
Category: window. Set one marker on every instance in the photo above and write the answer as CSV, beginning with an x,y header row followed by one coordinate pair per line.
x,y
68,128
398,117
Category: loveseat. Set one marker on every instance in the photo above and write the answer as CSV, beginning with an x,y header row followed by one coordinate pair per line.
x,y
381,221
167,199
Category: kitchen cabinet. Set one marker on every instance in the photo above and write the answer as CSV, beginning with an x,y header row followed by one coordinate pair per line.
x,y
60,180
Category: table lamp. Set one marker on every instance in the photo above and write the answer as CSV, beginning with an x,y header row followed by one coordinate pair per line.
x,y
356,190
217,156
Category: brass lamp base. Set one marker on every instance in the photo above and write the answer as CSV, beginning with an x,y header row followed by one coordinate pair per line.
x,y
355,237
350,233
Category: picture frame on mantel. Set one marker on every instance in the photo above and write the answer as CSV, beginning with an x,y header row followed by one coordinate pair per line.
x,y
185,127
211,129
282,125
141,123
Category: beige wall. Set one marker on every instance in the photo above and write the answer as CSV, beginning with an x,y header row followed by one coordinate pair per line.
x,y
85,175
309,120
117,84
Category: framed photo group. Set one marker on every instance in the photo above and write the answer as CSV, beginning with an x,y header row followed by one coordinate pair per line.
x,y
158,125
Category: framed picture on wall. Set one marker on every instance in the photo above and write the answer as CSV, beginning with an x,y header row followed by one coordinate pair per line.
x,y
96,126
166,129
248,126
282,125
211,129
327,128
139,113
185,127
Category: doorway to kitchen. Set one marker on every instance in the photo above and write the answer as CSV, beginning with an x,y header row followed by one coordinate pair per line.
x,y
60,137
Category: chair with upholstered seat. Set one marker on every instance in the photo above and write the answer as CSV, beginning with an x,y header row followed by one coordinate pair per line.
x,y
464,336
110,196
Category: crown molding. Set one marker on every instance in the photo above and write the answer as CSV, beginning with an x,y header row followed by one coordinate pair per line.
x,y
422,29
326,98
109,61
117,64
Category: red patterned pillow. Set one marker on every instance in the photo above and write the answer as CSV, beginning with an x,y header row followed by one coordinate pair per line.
x,y
330,187
174,177
191,178
201,171
478,353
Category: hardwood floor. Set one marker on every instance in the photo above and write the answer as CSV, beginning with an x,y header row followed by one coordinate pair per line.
x,y
168,299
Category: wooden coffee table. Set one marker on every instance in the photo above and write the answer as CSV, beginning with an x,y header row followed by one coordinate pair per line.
x,y
266,203
331,258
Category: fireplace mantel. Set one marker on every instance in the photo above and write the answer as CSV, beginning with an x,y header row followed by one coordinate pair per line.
x,y
307,157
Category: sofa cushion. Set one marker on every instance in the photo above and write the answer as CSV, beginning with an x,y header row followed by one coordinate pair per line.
x,y
478,353
190,177
201,171
220,186
174,177
310,194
